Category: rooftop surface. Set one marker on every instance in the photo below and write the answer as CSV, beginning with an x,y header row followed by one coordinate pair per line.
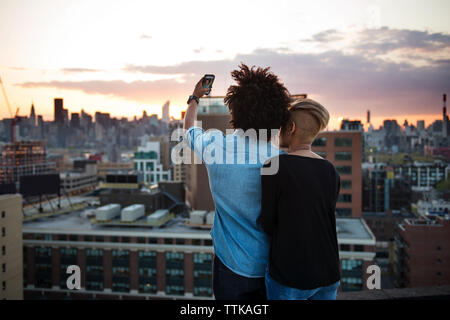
x,y
77,222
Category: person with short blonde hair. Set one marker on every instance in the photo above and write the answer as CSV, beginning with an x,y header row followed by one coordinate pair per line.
x,y
298,212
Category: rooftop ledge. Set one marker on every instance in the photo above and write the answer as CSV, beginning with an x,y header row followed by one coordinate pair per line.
x,y
426,293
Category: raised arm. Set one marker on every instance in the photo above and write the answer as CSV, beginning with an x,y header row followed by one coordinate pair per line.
x,y
191,111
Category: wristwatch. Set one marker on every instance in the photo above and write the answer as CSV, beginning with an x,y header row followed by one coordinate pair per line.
x,y
192,97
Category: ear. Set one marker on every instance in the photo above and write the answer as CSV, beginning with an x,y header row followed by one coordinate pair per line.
x,y
291,132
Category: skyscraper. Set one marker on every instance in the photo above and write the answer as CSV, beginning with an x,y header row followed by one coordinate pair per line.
x,y
58,111
165,112
32,116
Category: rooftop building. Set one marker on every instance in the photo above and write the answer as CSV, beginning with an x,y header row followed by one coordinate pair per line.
x,y
131,262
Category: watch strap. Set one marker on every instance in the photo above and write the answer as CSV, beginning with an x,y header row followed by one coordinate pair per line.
x,y
192,97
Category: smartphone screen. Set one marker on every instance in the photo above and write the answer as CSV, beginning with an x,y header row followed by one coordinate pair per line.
x,y
207,82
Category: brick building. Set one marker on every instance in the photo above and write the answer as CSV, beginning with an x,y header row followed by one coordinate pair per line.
x,y
422,252
344,150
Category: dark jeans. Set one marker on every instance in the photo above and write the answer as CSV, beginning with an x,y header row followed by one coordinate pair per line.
x,y
228,285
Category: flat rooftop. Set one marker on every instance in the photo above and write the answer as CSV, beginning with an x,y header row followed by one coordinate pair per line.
x,y
350,230
354,229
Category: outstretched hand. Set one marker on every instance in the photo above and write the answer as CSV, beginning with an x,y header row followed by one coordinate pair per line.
x,y
199,91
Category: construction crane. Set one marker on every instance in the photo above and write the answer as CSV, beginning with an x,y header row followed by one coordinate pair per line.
x,y
15,118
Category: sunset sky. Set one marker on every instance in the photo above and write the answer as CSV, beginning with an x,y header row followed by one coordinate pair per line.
x,y
124,57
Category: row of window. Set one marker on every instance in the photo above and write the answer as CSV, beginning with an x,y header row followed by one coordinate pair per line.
x,y
121,273
338,142
115,239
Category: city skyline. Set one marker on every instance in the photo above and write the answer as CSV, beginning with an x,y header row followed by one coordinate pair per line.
x,y
375,121
133,56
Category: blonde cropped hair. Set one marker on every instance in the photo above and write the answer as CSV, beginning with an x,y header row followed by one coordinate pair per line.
x,y
313,108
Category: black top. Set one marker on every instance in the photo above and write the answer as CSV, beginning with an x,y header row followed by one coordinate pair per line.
x,y
298,212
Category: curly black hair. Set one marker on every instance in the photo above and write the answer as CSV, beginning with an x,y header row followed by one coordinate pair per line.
x,y
258,101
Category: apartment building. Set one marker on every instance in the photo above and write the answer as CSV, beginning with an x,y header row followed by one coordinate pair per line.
x,y
11,276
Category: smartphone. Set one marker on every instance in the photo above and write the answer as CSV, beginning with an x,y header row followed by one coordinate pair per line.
x,y
207,82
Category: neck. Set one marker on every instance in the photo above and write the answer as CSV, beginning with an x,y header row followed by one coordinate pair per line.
x,y
299,146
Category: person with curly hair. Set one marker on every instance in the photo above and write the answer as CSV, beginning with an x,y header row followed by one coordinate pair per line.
x,y
258,103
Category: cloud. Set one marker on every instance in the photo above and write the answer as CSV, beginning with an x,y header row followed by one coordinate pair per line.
x,y
347,83
79,70
145,37
326,36
139,91
385,39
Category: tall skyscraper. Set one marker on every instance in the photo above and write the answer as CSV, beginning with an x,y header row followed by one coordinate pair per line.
x,y
58,111
165,112
32,116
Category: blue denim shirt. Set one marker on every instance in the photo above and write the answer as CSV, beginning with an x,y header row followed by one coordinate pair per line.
x,y
239,242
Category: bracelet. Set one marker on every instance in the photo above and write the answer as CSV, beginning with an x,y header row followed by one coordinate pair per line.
x,y
192,97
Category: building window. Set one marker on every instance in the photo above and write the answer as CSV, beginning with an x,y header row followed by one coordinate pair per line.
x,y
3,232
147,271
68,257
344,212
202,274
3,250
140,240
319,142
346,184
343,142
343,156
358,247
344,247
94,269
43,267
121,279
4,267
351,275
175,273
3,214
4,285
344,169
322,154
121,271
345,198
